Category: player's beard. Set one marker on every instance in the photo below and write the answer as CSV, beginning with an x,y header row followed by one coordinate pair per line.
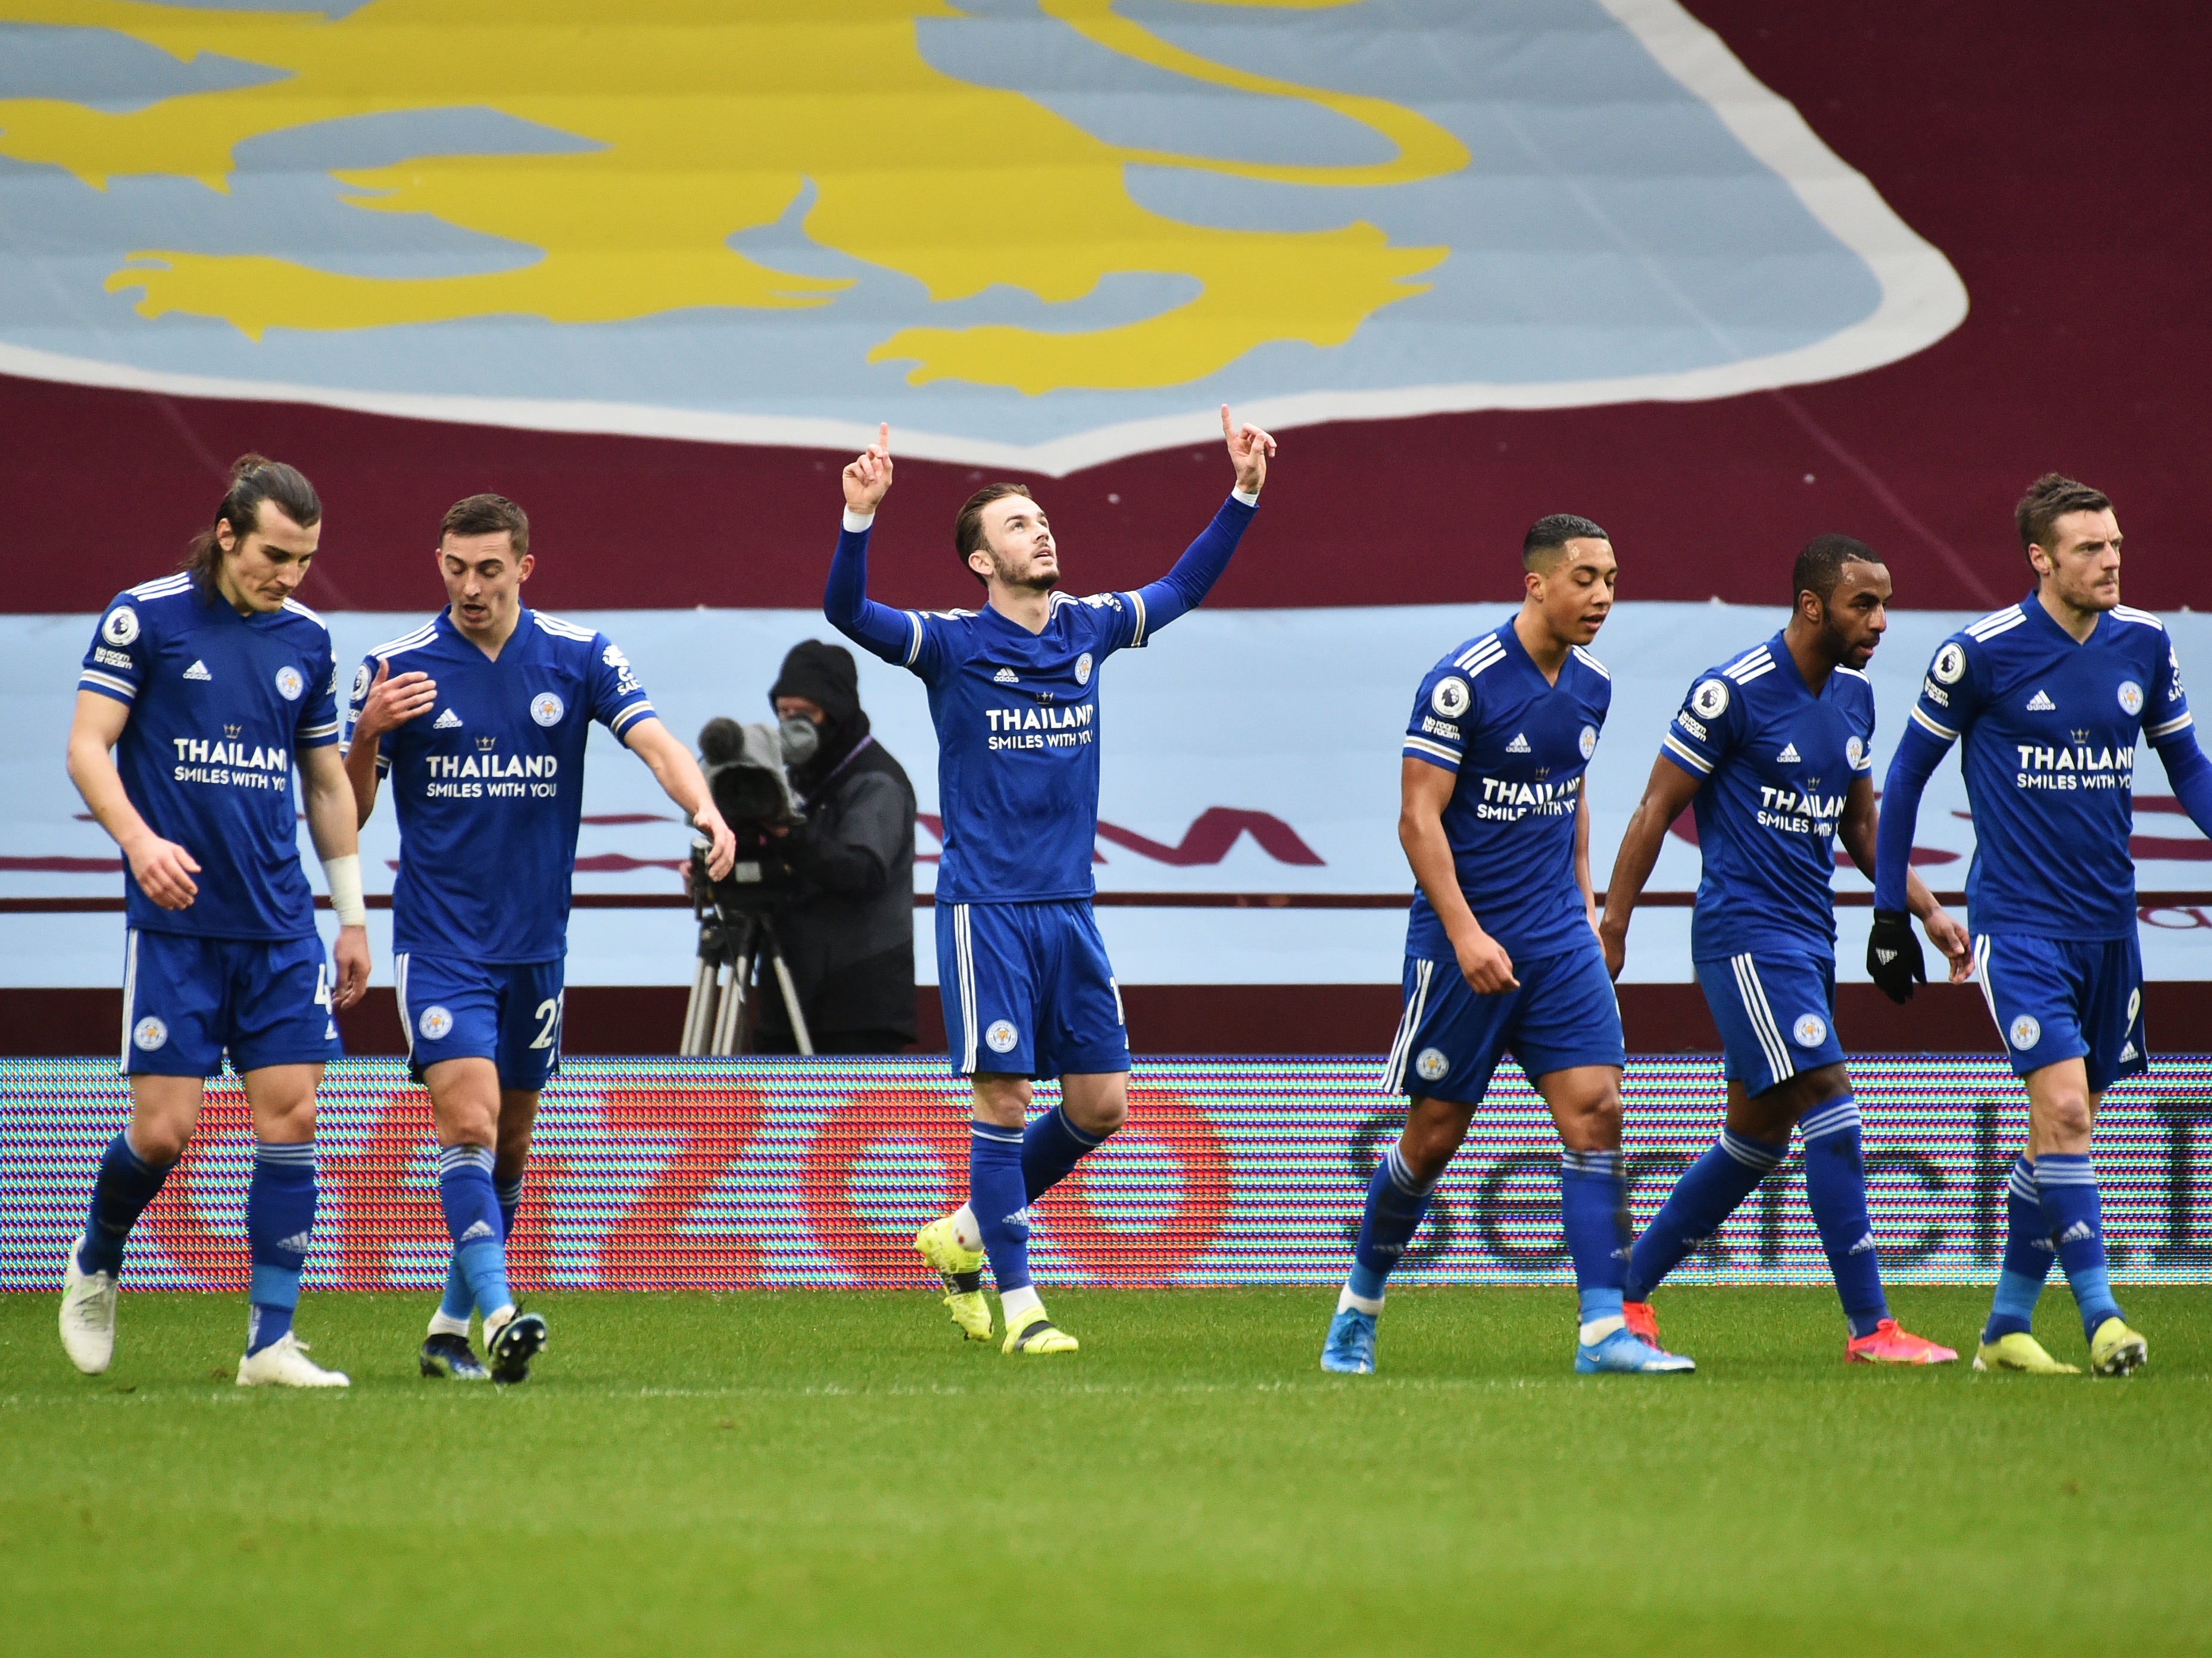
x,y
1034,582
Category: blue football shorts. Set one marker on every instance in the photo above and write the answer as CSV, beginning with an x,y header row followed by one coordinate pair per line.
x,y
508,1012
1450,1040
1777,1014
1028,991
187,999
2065,999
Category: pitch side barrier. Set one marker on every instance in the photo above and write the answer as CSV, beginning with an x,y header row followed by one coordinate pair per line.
x,y
725,1175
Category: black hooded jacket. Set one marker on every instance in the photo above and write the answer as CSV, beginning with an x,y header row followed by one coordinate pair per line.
x,y
849,937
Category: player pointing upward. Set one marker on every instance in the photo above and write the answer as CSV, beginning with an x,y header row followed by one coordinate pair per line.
x,y
2050,695
1028,991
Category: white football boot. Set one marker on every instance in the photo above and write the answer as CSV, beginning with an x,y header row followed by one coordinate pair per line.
x,y
285,1363
88,1315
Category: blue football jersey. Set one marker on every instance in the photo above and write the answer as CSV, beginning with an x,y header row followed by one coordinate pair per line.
x,y
1775,762
221,704
2051,727
1520,747
1016,718
489,785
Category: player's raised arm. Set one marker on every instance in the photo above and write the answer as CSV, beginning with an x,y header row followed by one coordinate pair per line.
x,y
164,869
1666,795
894,635
1184,588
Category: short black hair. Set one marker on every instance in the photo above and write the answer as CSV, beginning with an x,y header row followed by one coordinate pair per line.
x,y
1819,564
2049,499
1554,531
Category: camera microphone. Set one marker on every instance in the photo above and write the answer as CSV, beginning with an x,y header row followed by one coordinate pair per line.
x,y
722,740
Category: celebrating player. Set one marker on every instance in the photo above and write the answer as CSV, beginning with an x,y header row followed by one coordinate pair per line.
x,y
210,686
1028,991
1774,751
1502,948
2051,695
489,793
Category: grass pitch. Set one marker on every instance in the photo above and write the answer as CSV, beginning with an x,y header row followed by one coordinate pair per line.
x,y
828,1473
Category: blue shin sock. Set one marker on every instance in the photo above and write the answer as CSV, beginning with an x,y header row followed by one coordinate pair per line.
x,y
1051,1147
1396,1201
460,1300
280,1219
126,1183
1594,1210
999,1202
464,1191
2028,1254
1835,1185
2074,1213
1707,1194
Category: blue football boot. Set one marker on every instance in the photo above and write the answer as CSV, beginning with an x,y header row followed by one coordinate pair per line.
x,y
1624,1354
1350,1349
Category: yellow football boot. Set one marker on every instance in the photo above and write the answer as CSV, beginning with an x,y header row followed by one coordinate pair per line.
x,y
960,1270
2023,1352
2116,1350
1039,1335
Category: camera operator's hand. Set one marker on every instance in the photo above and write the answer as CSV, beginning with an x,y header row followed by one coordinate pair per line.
x,y
723,846
868,478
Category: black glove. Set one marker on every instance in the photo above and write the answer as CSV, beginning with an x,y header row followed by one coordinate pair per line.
x,y
1894,959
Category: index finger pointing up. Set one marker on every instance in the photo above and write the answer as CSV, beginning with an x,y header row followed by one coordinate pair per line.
x,y
884,436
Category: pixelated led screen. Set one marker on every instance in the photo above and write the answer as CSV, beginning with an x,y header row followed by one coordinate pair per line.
x,y
663,1175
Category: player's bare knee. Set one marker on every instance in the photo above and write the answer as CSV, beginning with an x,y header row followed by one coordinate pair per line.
x,y
1097,1105
160,1139
1001,1100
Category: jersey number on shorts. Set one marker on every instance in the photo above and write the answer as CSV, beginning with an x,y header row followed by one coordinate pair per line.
x,y
548,1034
322,984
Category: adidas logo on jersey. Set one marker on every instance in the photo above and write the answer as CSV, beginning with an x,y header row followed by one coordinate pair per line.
x,y
1007,677
2040,703
447,721
199,670
1518,745
1788,755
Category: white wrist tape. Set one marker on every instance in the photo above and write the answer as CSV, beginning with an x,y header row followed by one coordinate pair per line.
x,y
344,874
856,522
1249,497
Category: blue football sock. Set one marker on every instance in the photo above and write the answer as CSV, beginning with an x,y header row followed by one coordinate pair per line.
x,y
999,1202
1396,1201
509,1194
459,1301
2074,1213
1707,1194
280,1221
1594,1210
464,1191
2028,1254
1835,1185
126,1183
1051,1147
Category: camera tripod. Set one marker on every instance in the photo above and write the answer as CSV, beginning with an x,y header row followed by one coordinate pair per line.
x,y
733,943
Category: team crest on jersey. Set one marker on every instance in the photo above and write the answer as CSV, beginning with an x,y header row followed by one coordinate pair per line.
x,y
1001,1037
288,683
2025,1032
1854,751
547,708
1430,1065
1709,699
149,1033
435,1024
1950,664
121,626
1810,1031
1589,741
2130,697
361,681
1083,669
1450,696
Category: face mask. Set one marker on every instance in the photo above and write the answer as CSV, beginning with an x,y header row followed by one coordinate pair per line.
x,y
801,740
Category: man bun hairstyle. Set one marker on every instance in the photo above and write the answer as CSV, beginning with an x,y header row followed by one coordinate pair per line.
x,y
2049,499
254,479
968,528
1549,534
1819,564
487,516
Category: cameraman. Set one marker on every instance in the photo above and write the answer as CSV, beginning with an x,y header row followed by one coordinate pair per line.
x,y
848,935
